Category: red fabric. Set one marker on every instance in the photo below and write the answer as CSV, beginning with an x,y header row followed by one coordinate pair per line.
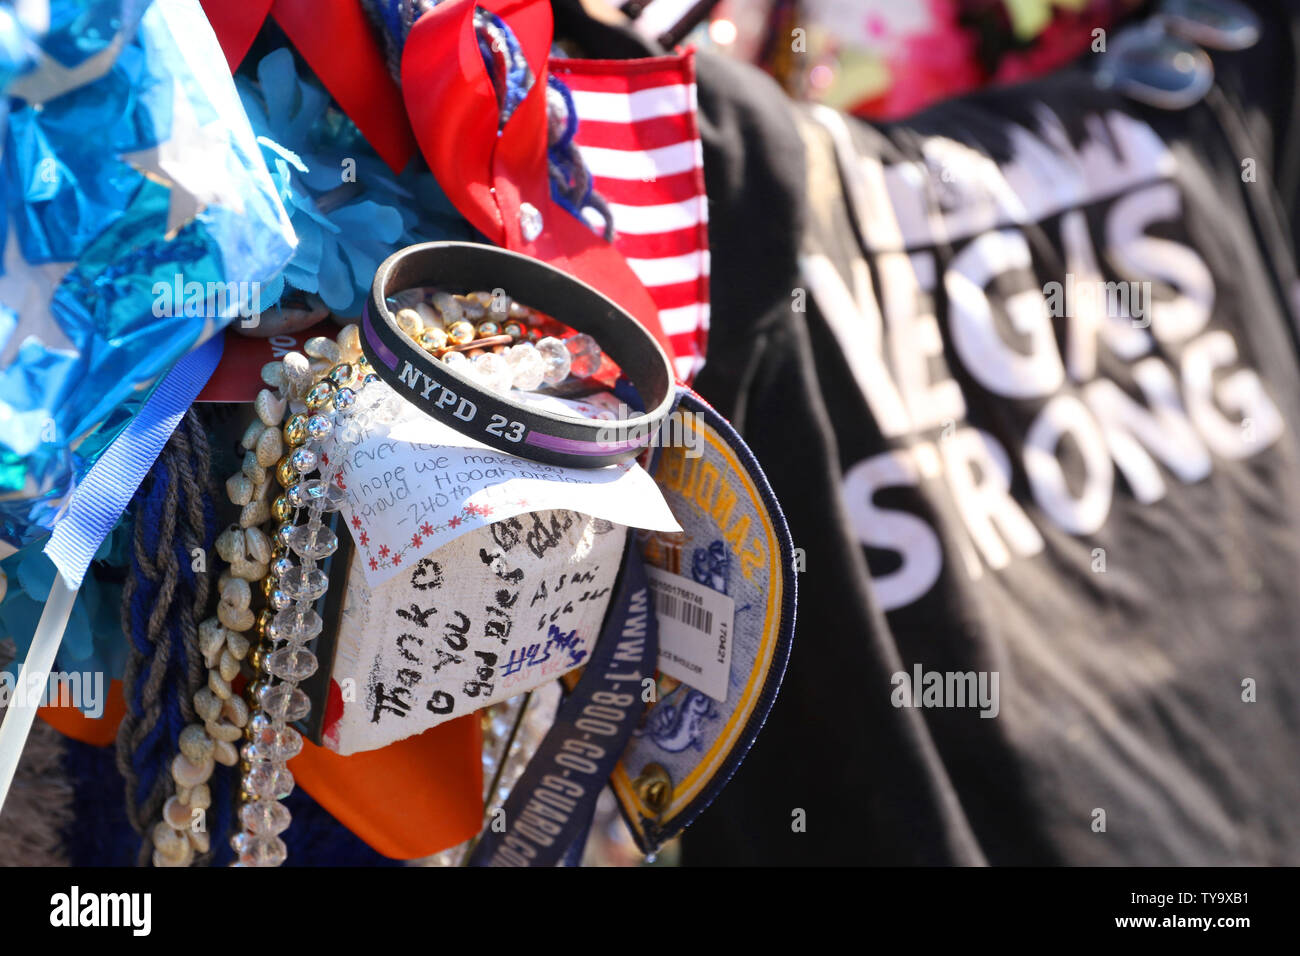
x,y
236,25
453,110
337,42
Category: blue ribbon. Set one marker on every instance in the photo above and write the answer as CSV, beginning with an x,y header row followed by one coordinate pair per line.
x,y
101,498
550,809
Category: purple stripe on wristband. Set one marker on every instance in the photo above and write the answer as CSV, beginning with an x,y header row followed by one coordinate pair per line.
x,y
386,354
576,446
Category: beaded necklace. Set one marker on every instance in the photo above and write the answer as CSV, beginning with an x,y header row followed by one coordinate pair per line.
x,y
281,538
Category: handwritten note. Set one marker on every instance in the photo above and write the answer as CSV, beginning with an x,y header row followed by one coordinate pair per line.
x,y
492,614
415,484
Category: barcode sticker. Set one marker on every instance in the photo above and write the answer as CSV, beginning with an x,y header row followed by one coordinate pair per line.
x,y
694,632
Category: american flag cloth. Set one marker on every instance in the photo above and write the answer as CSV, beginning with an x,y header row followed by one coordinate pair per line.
x,y
638,136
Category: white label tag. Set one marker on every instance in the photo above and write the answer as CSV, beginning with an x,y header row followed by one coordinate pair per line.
x,y
694,632
415,484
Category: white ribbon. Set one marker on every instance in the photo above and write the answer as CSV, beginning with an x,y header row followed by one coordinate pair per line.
x,y
35,673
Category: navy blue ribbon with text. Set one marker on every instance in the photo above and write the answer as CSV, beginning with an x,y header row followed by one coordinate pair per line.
x,y
550,808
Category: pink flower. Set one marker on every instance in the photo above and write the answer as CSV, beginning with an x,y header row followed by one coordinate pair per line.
x,y
926,66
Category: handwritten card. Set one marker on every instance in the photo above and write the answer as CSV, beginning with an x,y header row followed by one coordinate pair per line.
x,y
494,613
416,484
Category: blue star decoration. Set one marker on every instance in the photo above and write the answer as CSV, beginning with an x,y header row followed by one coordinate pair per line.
x,y
193,163
26,290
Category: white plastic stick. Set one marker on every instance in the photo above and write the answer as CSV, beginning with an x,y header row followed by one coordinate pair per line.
x,y
35,673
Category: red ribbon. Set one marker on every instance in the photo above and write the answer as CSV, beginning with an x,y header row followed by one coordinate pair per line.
x,y
488,177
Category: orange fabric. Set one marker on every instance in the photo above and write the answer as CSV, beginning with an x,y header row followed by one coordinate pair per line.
x,y
71,722
409,799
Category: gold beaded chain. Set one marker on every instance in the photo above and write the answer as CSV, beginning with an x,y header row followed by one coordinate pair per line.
x,y
295,434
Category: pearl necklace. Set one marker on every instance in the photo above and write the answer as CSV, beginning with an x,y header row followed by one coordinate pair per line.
x,y
494,339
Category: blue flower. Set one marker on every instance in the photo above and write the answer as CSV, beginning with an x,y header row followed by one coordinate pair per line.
x,y
347,209
93,640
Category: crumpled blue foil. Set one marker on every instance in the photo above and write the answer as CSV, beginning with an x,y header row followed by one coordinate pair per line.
x,y
129,170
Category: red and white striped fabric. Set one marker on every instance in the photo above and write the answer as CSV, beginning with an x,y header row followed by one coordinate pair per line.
x,y
638,136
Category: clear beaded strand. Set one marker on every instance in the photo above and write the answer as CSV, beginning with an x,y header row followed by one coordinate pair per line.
x,y
292,589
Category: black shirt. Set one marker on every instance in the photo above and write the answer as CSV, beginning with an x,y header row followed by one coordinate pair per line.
x,y
1022,372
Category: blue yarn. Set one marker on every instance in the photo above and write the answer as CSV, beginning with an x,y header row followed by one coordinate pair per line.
x,y
519,77
571,114
315,838
153,756
389,15
564,158
98,834
221,815
511,89
150,757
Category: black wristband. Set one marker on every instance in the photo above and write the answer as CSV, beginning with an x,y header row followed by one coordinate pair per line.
x,y
490,417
